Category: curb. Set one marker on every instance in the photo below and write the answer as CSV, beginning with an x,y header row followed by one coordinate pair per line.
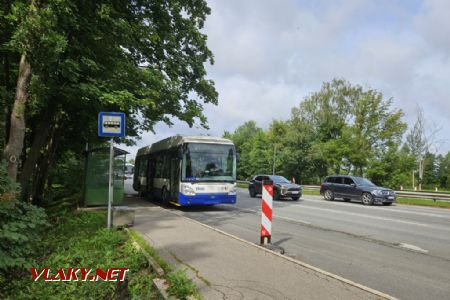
x,y
334,276
160,284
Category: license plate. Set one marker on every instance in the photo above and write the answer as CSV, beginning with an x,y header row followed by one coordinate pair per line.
x,y
294,192
391,197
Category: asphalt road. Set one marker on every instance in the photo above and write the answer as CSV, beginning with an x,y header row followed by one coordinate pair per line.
x,y
400,250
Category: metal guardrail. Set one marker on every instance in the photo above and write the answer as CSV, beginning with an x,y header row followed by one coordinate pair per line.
x,y
418,195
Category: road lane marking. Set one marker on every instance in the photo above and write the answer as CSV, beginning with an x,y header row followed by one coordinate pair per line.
x,y
364,216
396,209
412,247
277,216
293,260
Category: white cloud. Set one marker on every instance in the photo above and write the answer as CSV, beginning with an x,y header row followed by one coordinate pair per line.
x,y
271,54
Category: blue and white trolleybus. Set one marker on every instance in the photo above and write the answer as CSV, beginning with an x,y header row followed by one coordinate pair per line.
x,y
187,170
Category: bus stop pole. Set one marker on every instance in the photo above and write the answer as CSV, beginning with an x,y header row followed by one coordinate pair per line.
x,y
110,187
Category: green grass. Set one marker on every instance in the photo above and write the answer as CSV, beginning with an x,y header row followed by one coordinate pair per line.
x,y
242,185
147,248
180,285
423,202
311,192
428,191
80,240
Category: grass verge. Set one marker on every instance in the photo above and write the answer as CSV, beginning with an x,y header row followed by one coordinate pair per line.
x,y
423,202
80,240
311,192
180,285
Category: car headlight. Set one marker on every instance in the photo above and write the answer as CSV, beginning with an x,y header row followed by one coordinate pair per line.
x,y
284,190
377,192
187,189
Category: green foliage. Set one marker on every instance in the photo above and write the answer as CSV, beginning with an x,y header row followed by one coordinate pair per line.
x,y
244,139
342,128
140,286
392,169
180,285
22,226
9,189
80,240
68,172
144,58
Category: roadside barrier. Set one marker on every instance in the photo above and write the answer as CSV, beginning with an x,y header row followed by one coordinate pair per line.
x,y
266,212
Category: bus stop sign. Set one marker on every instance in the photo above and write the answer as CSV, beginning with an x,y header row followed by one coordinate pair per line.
x,y
111,124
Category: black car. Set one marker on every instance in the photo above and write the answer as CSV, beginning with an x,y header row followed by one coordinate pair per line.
x,y
282,187
355,188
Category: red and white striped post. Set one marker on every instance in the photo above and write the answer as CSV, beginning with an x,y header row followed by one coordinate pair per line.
x,y
266,212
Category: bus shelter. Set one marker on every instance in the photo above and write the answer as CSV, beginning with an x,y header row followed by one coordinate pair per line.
x,y
97,176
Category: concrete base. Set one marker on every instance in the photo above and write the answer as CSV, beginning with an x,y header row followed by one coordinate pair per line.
x,y
123,216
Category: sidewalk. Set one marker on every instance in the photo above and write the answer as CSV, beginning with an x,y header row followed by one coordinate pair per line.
x,y
224,267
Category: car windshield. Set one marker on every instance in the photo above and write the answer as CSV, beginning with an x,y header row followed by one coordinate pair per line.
x,y
279,179
363,181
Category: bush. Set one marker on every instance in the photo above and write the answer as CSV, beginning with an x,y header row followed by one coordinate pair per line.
x,y
80,239
21,227
9,189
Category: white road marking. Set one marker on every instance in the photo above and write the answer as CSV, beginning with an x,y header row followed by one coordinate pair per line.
x,y
362,215
276,216
397,209
412,247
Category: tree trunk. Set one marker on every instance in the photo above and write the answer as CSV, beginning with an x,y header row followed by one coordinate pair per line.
x,y
46,161
40,137
14,146
421,163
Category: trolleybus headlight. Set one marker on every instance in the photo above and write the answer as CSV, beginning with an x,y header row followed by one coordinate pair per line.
x,y
187,190
232,190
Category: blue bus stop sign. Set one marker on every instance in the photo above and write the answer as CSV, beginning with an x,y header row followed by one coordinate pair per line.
x,y
111,124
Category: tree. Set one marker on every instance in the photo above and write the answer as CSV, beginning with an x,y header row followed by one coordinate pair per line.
x,y
374,128
392,168
243,138
420,139
144,58
444,171
343,118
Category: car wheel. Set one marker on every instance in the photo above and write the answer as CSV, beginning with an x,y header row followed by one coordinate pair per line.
x,y
346,199
252,192
328,195
295,198
367,199
387,203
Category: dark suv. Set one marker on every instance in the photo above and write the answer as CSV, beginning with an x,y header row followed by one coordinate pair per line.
x,y
282,187
355,188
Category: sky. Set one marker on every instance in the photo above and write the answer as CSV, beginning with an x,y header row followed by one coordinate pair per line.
x,y
270,55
